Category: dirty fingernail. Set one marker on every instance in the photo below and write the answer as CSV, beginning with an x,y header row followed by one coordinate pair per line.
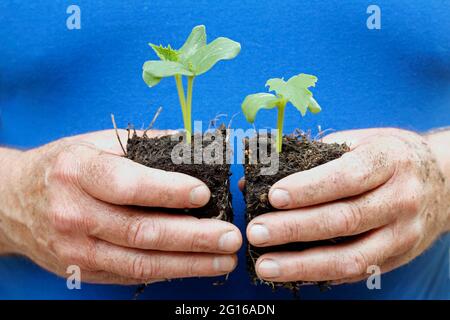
x,y
200,195
224,264
258,234
229,241
268,268
279,198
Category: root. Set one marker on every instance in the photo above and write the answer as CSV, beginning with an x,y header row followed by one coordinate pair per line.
x,y
220,216
158,112
213,122
117,133
321,132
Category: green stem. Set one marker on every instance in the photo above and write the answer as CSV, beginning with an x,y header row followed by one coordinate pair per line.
x,y
280,121
181,97
190,86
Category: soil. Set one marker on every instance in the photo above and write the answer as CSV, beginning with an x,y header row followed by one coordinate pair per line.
x,y
156,153
299,153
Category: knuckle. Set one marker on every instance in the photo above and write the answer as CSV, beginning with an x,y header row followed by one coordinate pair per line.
x,y
350,218
66,255
411,199
290,230
71,220
358,172
62,219
193,267
346,220
360,261
412,204
101,170
64,168
201,241
141,268
82,256
299,269
119,188
352,264
88,256
139,234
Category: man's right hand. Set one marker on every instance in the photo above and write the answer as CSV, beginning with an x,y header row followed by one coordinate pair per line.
x,y
76,201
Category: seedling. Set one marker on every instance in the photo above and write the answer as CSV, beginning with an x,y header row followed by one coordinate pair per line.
x,y
295,91
194,58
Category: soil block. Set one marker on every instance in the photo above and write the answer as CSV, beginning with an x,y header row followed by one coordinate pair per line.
x,y
299,153
157,153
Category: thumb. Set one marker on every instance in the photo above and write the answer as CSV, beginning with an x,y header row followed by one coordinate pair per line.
x,y
118,180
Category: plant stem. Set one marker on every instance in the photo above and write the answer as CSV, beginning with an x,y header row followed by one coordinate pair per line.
x,y
180,89
190,86
280,121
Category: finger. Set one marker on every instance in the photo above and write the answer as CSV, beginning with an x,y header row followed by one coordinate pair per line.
x,y
140,264
358,171
342,218
329,262
241,184
103,277
389,265
118,180
133,228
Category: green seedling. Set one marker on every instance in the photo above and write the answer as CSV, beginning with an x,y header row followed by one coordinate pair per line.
x,y
295,91
194,58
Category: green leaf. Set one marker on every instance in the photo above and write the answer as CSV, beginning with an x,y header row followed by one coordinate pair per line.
x,y
300,99
255,102
195,41
206,57
276,84
150,80
302,81
300,96
295,90
313,106
161,69
165,53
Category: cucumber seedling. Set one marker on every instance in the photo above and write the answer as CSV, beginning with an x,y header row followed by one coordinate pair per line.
x,y
295,90
300,153
194,58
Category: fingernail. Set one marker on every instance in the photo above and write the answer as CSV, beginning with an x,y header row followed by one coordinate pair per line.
x,y
268,268
200,195
279,198
258,234
224,264
229,241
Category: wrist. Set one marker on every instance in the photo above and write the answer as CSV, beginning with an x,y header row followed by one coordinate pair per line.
x,y
9,160
439,143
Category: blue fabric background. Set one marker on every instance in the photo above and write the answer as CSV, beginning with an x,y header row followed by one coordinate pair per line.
x,y
56,82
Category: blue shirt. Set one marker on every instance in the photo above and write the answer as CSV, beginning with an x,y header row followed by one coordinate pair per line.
x,y
56,82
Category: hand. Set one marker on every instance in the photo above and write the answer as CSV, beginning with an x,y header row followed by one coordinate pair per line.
x,y
388,191
77,202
